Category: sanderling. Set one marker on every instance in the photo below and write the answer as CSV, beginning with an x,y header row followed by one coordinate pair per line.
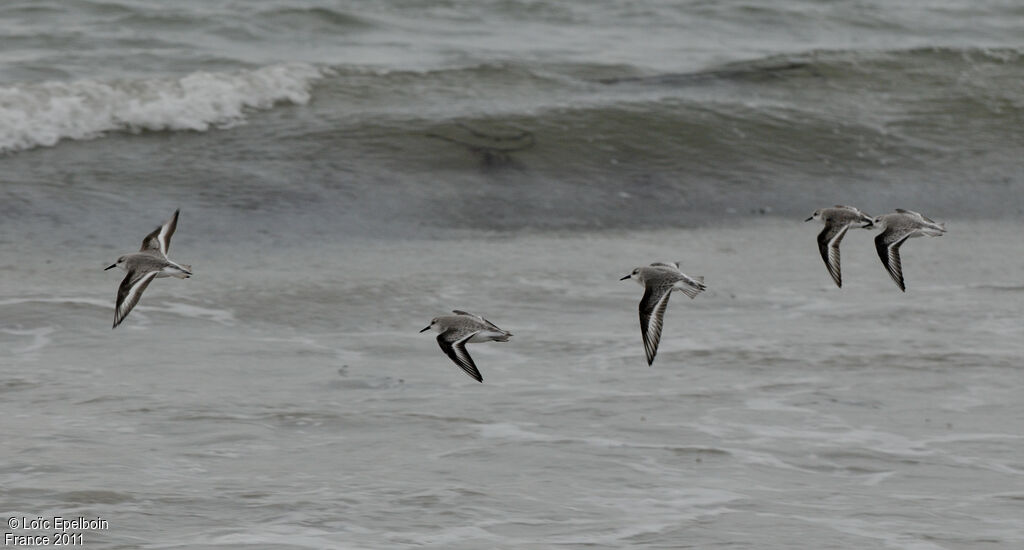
x,y
460,329
659,280
900,226
837,221
149,263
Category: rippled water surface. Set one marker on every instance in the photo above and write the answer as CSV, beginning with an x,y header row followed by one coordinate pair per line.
x,y
292,403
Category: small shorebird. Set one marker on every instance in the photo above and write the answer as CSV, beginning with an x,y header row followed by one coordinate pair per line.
x,y
659,280
837,221
149,263
460,329
900,226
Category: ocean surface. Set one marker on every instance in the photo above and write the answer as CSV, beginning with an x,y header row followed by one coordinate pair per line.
x,y
348,170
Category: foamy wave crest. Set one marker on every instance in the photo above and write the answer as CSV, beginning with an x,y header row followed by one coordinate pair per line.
x,y
42,114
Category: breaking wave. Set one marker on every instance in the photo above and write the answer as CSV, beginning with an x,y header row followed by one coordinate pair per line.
x,y
44,113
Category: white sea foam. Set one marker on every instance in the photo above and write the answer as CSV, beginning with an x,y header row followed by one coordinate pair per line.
x,y
40,338
55,300
875,531
221,316
282,537
44,113
504,430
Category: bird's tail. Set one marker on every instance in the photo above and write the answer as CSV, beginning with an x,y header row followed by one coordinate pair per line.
x,y
693,287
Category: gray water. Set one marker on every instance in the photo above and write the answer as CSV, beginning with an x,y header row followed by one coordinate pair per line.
x,y
347,171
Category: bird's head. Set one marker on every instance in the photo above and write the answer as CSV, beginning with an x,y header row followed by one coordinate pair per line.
x,y
432,325
119,263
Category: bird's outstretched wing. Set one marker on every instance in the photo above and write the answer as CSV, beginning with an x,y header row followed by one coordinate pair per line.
x,y
887,243
159,241
129,292
475,316
673,265
652,312
456,350
828,245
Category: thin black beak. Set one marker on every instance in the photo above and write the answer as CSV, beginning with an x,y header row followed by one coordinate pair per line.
x,y
626,277
106,268
809,219
426,328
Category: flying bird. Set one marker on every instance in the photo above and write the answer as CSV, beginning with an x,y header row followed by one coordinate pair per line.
x,y
659,280
898,227
460,329
150,262
837,220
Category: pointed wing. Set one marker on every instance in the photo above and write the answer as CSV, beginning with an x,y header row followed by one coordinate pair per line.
x,y
828,245
129,292
918,214
456,350
911,212
860,216
160,239
888,244
673,265
652,312
481,319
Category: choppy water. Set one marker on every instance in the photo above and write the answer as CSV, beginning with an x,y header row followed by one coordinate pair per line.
x,y
348,170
